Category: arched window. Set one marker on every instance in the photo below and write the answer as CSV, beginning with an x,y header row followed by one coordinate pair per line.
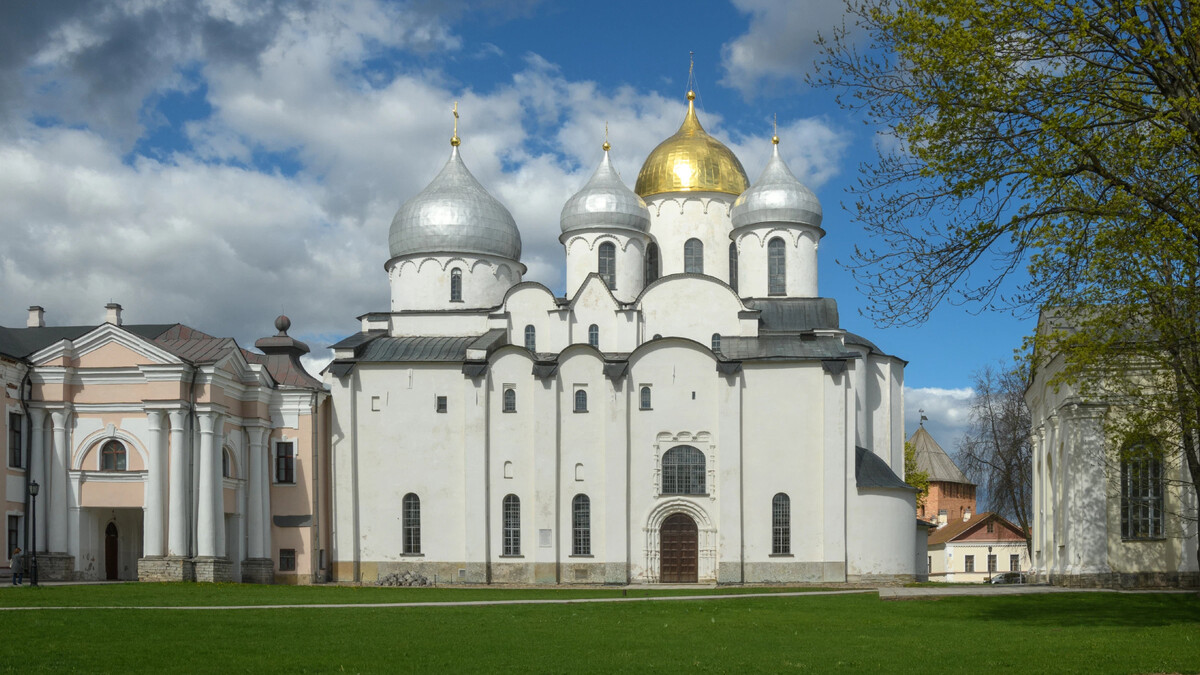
x,y
683,471
411,518
781,524
606,264
580,400
651,262
512,525
456,285
226,465
716,342
530,338
645,403
693,256
594,336
112,456
581,525
1142,493
510,399
733,266
776,267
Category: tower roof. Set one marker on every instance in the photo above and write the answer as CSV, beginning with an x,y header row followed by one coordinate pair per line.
x,y
691,161
605,202
454,214
933,460
776,197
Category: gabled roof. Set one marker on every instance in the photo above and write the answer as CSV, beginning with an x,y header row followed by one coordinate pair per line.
x,y
21,342
960,529
933,460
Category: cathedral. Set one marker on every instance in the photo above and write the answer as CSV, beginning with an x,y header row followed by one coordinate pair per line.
x,y
689,411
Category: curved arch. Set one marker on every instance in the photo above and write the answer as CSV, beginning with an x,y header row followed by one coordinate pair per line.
x,y
97,438
229,463
113,456
669,506
684,471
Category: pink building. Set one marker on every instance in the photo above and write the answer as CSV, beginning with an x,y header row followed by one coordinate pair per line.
x,y
163,453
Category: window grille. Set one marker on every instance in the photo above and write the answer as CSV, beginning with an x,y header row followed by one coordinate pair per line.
x,y
645,398
15,458
287,560
580,400
733,266
510,400
411,517
512,525
683,471
781,524
1142,498
716,342
581,525
455,285
969,563
594,336
530,338
112,457
606,264
776,267
693,256
285,463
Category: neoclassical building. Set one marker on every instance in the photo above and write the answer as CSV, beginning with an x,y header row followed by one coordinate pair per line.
x,y
162,453
690,410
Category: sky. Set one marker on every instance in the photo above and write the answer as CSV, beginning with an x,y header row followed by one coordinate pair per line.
x,y
220,162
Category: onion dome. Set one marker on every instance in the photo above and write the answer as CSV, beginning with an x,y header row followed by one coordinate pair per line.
x,y
605,202
776,197
454,214
691,161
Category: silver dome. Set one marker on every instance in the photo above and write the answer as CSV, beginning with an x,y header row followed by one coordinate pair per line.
x,y
454,214
605,202
776,197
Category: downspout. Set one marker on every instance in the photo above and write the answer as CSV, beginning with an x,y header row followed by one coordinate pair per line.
x,y
191,463
316,494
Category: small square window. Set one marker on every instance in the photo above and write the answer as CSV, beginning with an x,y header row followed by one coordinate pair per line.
x,y
287,560
440,404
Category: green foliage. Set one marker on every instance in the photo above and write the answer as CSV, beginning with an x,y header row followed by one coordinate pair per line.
x,y
915,478
1059,633
1060,138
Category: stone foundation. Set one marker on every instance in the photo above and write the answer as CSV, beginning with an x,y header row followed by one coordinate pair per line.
x,y
1122,580
54,567
166,569
213,570
786,571
258,571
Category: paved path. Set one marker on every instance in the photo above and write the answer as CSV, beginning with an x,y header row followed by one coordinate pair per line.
x,y
907,593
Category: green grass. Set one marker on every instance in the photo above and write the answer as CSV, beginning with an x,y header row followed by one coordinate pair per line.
x,y
1052,633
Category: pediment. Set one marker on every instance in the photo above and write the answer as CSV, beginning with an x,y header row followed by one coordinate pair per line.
x,y
107,346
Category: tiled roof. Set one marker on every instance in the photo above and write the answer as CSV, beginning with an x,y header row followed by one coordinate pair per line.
x,y
960,528
933,460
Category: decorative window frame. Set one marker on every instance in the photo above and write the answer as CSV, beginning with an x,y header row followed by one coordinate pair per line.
x,y
275,443
702,441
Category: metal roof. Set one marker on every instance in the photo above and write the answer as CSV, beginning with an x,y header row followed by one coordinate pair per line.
x,y
394,349
605,202
870,471
802,347
795,314
776,197
933,460
21,342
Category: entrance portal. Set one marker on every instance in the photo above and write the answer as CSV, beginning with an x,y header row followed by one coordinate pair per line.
x,y
110,552
678,550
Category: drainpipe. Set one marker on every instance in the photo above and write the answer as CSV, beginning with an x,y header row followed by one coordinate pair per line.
x,y
316,494
26,394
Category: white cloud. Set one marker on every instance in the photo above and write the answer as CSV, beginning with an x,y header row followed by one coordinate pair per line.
x,y
779,46
948,411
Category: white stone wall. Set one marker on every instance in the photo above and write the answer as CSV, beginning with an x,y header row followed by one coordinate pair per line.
x,y
582,250
422,282
800,259
677,217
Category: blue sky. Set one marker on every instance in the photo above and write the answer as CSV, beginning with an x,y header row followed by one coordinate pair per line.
x,y
218,162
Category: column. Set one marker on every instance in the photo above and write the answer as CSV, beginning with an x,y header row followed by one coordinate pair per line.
x,y
37,466
219,502
255,487
59,485
177,515
263,459
210,486
152,519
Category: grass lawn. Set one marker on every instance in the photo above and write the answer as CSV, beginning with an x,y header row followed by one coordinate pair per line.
x,y
1058,633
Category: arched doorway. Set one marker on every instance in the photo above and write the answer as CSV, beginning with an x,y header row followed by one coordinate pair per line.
x,y
678,550
110,552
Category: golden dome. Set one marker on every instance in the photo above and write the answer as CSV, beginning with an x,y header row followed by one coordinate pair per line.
x,y
691,161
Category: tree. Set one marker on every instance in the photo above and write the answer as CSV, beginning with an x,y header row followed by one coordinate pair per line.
x,y
996,450
915,478
1055,139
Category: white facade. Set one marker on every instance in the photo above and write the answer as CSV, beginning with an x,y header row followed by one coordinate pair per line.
x,y
713,436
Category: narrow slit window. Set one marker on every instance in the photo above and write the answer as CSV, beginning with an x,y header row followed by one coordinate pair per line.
x,y
645,396
512,525
606,264
581,525
733,266
594,336
456,285
530,338
776,267
411,516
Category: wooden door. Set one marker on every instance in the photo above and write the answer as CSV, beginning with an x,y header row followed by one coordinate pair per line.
x,y
678,550
110,552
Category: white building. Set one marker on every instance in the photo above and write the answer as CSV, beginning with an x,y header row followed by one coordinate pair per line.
x,y
690,411
1105,513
